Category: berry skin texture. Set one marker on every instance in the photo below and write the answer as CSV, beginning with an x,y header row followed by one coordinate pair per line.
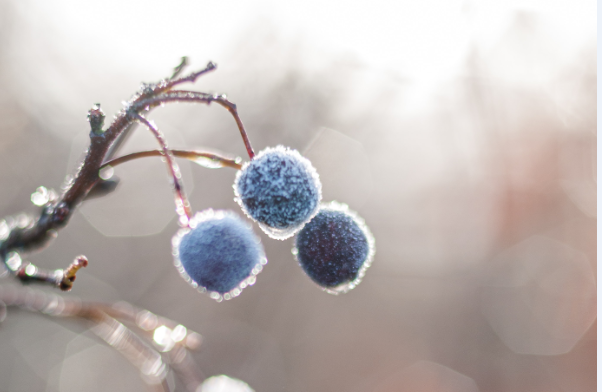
x,y
280,190
218,254
335,248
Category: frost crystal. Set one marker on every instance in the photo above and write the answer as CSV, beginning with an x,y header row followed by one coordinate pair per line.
x,y
219,254
335,248
280,190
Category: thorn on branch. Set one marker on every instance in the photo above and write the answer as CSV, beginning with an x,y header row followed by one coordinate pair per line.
x,y
211,65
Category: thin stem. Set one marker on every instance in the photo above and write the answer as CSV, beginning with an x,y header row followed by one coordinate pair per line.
x,y
195,96
28,272
179,68
182,206
190,155
191,78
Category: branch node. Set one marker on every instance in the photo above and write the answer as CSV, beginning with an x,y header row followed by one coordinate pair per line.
x,y
211,65
96,118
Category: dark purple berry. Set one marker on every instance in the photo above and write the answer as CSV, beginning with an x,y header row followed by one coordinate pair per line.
x,y
335,248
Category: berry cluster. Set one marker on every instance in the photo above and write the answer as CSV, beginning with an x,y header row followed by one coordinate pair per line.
x,y
279,189
215,251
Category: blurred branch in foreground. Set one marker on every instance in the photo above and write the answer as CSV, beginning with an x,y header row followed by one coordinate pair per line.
x,y
153,344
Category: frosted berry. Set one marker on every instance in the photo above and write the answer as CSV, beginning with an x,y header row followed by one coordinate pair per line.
x,y
218,254
335,248
280,190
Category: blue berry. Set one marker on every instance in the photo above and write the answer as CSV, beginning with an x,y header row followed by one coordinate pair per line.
x,y
280,190
219,254
335,248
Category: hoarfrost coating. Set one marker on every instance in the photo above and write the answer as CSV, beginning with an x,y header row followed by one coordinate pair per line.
x,y
220,254
280,190
335,248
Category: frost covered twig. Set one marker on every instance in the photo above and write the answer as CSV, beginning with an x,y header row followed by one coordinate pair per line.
x,y
199,97
55,213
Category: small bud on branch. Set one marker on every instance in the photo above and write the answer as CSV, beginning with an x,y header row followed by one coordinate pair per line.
x,y
69,274
96,118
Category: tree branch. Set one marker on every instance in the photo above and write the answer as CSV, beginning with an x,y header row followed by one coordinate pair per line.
x,y
55,214
186,79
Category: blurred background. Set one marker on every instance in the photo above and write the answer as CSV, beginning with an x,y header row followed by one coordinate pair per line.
x,y
463,132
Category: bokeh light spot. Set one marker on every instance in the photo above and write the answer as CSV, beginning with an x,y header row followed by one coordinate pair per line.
x,y
343,164
540,297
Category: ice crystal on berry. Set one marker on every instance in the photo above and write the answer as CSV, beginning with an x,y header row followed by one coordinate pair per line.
x,y
218,254
335,248
280,190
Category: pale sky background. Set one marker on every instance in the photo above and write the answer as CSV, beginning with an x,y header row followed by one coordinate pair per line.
x,y
425,42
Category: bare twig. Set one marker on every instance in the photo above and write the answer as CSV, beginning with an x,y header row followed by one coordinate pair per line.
x,y
28,272
179,68
191,78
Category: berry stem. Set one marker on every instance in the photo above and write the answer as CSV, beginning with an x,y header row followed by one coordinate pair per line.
x,y
179,68
190,155
191,78
195,96
182,205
